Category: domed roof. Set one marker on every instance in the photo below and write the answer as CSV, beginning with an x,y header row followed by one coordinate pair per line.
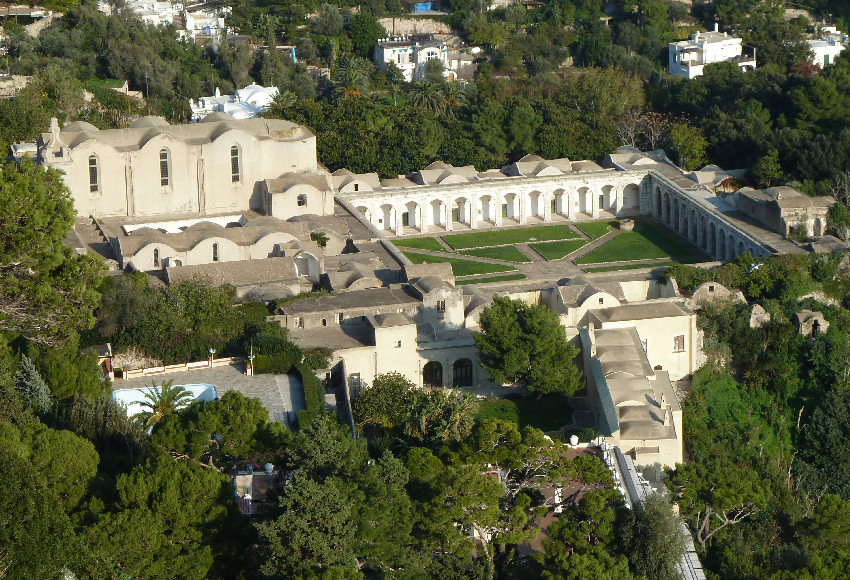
x,y
79,127
150,121
216,117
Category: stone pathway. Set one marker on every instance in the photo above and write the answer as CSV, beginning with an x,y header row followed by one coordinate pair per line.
x,y
589,247
530,252
280,394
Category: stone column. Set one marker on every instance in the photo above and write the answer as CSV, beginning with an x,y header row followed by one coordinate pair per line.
x,y
547,206
448,215
420,218
399,224
473,212
567,200
522,207
497,213
594,203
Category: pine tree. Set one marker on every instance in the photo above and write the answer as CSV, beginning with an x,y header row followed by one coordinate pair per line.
x,y
32,387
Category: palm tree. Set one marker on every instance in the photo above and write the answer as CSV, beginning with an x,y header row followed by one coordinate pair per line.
x,y
284,99
454,96
428,96
160,403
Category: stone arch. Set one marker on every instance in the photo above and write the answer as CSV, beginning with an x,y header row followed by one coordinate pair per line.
x,y
609,198
432,375
387,219
711,240
436,216
560,199
306,264
817,228
486,203
535,204
585,200
462,373
702,239
364,211
631,198
510,206
658,208
675,223
692,232
460,210
410,216
667,209
721,250
730,247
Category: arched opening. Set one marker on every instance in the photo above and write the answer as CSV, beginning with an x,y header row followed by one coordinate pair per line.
x,y
432,375
156,257
364,211
307,265
730,245
410,217
387,222
711,241
675,223
721,253
608,198
667,208
215,252
509,207
740,249
535,205
631,198
585,199
658,202
437,212
302,200
462,373
460,211
817,228
558,199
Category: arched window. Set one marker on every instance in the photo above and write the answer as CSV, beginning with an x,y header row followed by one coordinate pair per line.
x,y
156,257
432,375
215,252
164,173
234,164
462,371
302,200
94,184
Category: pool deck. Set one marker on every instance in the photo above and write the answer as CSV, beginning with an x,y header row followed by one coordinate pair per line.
x,y
280,394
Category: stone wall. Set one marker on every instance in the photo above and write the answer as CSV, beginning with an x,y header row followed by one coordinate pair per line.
x,y
395,26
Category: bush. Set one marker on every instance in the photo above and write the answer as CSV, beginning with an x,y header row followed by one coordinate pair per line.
x,y
318,358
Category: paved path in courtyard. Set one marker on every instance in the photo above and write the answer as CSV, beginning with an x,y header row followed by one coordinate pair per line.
x,y
530,252
280,394
589,247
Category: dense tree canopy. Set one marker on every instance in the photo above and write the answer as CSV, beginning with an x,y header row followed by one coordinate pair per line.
x,y
46,292
526,344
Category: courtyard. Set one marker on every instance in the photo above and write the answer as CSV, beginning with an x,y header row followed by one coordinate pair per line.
x,y
550,251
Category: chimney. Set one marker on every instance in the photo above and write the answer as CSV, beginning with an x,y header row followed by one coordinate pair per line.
x,y
666,416
663,401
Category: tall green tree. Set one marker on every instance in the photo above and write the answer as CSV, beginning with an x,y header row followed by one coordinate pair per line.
x,y
32,387
46,292
653,539
527,345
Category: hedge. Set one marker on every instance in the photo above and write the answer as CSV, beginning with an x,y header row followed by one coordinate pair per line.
x,y
314,395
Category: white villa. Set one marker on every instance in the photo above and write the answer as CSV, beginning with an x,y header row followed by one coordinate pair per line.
x,y
826,48
245,103
410,53
688,58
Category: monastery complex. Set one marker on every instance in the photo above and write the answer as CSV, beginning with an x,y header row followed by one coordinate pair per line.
x,y
246,202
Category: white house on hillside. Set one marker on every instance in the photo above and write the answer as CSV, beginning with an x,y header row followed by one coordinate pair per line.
x,y
688,58
245,103
410,53
828,46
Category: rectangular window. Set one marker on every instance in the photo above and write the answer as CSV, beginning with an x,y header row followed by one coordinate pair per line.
x,y
398,344
679,343
601,202
299,322
339,318
441,305
234,164
93,185
163,168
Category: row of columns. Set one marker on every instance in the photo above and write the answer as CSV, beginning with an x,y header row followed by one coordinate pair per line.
x,y
715,238
518,207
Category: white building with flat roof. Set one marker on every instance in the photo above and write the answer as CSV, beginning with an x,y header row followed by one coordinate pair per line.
x,y
826,48
246,103
688,58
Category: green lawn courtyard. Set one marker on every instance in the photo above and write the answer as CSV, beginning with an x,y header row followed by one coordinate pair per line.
x,y
597,229
509,236
460,267
420,244
557,250
507,253
648,241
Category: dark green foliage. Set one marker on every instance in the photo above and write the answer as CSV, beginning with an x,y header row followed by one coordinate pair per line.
x,y
317,358
32,387
526,344
314,394
67,371
825,437
653,537
46,292
36,535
